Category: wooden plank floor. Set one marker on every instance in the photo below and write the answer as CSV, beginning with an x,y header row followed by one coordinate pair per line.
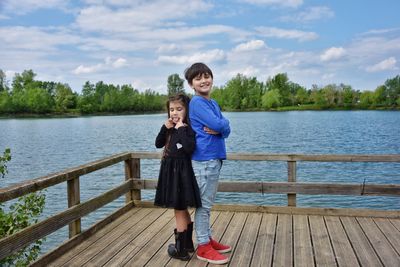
x,y
141,236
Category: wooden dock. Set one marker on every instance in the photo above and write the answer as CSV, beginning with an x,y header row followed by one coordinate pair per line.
x,y
138,234
141,236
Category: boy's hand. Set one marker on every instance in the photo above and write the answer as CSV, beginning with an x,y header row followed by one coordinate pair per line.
x,y
210,131
169,123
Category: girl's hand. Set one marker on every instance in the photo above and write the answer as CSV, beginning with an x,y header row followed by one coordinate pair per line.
x,y
210,131
169,123
179,123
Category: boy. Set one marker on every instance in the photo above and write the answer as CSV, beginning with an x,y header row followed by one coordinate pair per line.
x,y
211,129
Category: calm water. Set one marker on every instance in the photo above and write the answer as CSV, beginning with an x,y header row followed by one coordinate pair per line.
x,y
43,146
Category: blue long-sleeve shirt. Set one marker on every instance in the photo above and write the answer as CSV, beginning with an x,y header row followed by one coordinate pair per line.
x,y
204,112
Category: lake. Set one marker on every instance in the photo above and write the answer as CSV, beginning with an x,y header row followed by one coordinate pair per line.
x,y
43,146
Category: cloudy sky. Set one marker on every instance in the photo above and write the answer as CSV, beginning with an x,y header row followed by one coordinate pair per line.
x,y
136,42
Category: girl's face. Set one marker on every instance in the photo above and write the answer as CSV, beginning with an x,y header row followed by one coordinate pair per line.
x,y
177,111
202,84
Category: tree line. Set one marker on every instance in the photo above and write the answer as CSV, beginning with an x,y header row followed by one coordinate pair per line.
x,y
27,95
278,92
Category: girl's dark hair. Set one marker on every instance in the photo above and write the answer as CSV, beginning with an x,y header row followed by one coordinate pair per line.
x,y
184,100
195,70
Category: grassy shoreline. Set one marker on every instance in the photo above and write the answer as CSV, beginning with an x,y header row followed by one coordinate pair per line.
x,y
279,109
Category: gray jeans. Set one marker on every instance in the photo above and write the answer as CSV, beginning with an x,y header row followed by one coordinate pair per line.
x,y
207,174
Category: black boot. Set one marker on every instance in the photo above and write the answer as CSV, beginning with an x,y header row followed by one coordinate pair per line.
x,y
189,238
178,251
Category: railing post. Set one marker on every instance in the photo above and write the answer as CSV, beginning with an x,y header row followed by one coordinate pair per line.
x,y
291,178
74,199
132,171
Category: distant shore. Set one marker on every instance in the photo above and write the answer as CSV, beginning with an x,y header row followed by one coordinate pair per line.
x,y
279,109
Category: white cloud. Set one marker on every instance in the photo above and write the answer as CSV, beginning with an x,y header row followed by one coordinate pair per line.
x,y
119,63
387,64
112,2
84,70
142,16
187,33
328,77
250,46
39,38
286,34
108,62
287,3
21,7
208,57
379,47
380,31
140,84
333,53
168,48
248,71
310,14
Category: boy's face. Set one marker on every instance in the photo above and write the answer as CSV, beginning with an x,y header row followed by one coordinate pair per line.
x,y
202,84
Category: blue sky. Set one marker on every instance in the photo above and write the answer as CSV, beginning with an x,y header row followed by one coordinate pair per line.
x,y
141,43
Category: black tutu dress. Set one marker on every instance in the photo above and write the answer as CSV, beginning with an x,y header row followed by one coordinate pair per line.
x,y
177,186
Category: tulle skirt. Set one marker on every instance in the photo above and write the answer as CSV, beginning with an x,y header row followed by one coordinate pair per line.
x,y
177,186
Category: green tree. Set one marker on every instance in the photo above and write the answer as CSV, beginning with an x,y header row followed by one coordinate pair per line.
x,y
255,92
218,95
5,102
18,216
86,103
38,100
175,84
329,93
293,96
317,97
350,97
271,99
64,98
130,98
152,101
392,91
281,83
302,96
366,99
235,91
22,81
3,81
380,95
241,93
112,100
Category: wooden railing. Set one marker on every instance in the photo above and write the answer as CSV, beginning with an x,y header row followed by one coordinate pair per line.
x,y
134,184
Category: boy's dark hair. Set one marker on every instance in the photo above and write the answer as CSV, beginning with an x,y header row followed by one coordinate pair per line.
x,y
195,70
184,100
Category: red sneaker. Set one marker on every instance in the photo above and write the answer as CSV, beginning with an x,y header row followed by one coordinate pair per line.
x,y
220,247
207,253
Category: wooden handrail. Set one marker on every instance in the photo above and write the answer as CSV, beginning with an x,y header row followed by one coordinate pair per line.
x,y
40,183
293,188
43,182
291,157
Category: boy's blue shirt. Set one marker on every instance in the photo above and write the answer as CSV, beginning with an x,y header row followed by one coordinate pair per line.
x,y
204,112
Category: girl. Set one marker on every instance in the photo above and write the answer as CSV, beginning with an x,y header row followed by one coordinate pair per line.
x,y
177,187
